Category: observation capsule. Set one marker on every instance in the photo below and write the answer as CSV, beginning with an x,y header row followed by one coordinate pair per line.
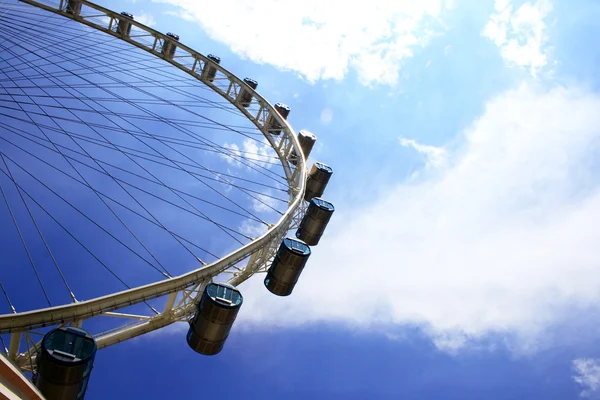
x,y
245,95
307,141
317,180
272,124
64,363
215,314
74,7
210,71
315,221
287,266
169,45
124,26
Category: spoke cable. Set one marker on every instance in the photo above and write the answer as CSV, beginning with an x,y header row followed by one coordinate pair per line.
x,y
14,219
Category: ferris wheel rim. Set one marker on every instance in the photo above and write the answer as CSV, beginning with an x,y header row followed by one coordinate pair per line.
x,y
296,179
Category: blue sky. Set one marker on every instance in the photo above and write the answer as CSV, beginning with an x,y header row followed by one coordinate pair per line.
x,y
461,260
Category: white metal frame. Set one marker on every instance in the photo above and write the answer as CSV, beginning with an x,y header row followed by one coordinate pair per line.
x,y
183,291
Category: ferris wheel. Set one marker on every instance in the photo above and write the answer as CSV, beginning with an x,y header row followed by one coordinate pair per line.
x,y
141,183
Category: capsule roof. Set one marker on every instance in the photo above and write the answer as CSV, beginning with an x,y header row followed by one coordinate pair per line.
x,y
225,284
126,14
296,246
308,134
69,345
284,106
224,294
214,58
172,35
324,167
322,204
249,80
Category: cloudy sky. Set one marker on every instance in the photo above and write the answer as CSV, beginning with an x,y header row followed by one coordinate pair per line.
x,y
464,137
461,259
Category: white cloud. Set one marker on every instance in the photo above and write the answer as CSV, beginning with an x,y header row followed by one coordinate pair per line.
x,y
588,376
146,19
252,228
450,343
326,116
521,35
253,153
321,40
264,202
232,155
436,156
261,153
502,240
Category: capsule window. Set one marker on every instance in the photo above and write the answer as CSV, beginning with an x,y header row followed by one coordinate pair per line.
x,y
296,246
67,345
322,204
88,370
224,295
324,167
83,389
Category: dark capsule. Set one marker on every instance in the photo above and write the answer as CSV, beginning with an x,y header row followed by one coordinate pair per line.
x,y
74,7
64,363
170,45
210,71
272,125
124,26
317,180
215,313
245,95
307,141
315,221
287,266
